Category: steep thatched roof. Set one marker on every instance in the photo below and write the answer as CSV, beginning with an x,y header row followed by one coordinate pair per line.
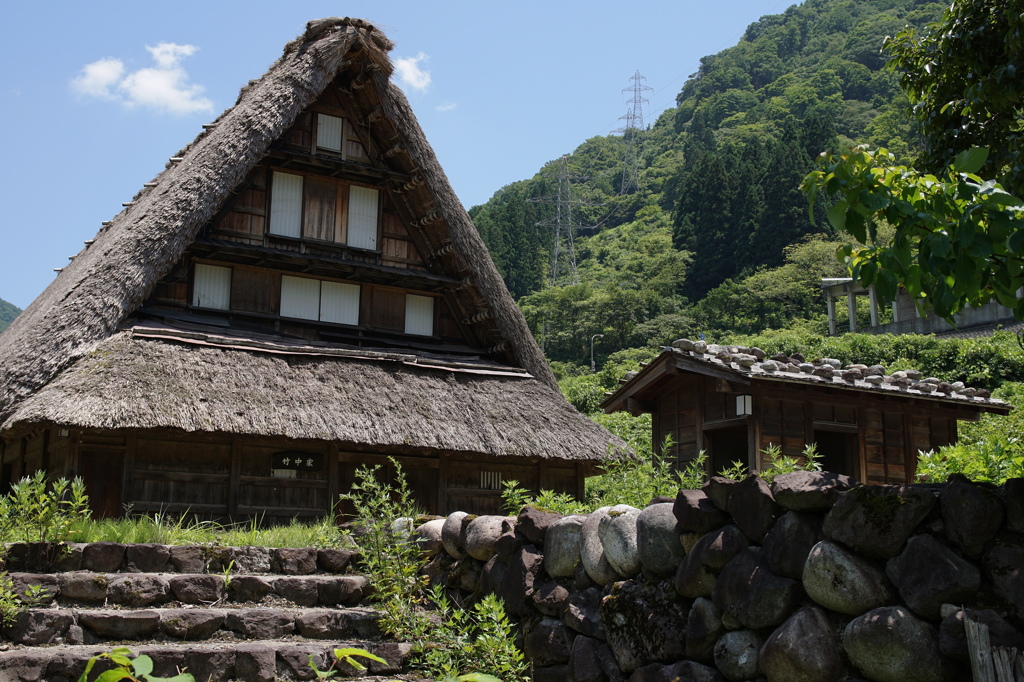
x,y
93,297
360,400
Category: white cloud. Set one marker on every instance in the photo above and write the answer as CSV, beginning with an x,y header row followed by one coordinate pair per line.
x,y
97,78
164,87
447,106
410,73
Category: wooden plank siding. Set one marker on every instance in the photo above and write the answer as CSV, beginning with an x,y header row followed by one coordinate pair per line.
x,y
228,478
675,417
874,438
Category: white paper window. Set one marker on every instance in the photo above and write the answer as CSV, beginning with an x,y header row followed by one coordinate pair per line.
x,y
328,132
362,217
339,303
286,205
300,297
419,315
211,287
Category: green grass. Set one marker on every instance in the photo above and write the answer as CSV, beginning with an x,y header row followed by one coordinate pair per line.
x,y
168,530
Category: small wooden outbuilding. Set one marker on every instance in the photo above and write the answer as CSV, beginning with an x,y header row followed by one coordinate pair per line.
x,y
733,403
298,293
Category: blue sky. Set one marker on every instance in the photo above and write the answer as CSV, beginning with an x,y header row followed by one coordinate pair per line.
x,y
96,96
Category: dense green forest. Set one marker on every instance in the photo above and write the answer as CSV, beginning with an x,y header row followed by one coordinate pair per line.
x,y
8,311
715,237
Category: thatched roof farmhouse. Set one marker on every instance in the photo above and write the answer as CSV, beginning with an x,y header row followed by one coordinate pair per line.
x,y
297,293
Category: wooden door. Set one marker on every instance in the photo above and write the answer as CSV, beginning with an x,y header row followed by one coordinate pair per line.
x,y
102,470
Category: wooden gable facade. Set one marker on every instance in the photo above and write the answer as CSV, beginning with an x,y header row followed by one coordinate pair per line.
x,y
298,294
732,406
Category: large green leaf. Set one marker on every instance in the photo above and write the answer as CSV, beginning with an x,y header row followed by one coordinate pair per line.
x,y
143,665
837,215
970,160
114,675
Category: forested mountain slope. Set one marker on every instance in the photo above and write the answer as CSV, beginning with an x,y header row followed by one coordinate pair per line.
x,y
715,236
8,311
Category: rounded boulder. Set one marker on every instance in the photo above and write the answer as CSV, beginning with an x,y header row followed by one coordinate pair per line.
x,y
890,644
481,534
562,546
842,581
658,540
617,530
592,554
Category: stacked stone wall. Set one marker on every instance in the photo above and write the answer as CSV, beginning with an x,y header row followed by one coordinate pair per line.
x,y
810,578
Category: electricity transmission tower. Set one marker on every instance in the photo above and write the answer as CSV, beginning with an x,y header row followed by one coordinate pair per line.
x,y
563,250
634,118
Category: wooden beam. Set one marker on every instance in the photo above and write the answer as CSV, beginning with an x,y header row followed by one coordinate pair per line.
x,y
659,368
725,423
635,406
686,364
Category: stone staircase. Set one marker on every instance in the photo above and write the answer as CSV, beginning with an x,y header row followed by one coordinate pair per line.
x,y
219,613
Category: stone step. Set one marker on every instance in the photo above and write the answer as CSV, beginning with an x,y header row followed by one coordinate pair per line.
x,y
114,557
83,588
255,661
45,627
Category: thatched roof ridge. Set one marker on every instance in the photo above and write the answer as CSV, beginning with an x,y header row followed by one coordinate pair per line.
x,y
357,403
107,281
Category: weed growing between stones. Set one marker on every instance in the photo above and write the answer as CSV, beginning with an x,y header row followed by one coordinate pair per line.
x,y
348,656
10,605
227,574
345,656
447,640
133,670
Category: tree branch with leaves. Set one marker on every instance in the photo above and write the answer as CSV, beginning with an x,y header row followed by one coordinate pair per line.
x,y
959,239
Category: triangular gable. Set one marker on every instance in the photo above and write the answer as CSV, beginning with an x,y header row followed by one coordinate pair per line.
x,y
108,281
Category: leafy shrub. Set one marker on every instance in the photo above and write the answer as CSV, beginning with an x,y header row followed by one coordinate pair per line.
x,y
10,605
391,559
778,463
628,481
446,641
35,511
990,449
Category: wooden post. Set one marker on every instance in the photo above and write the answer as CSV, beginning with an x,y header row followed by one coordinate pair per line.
x,y
442,483
46,451
979,648
128,492
851,309
234,474
333,486
873,299
1009,664
831,314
